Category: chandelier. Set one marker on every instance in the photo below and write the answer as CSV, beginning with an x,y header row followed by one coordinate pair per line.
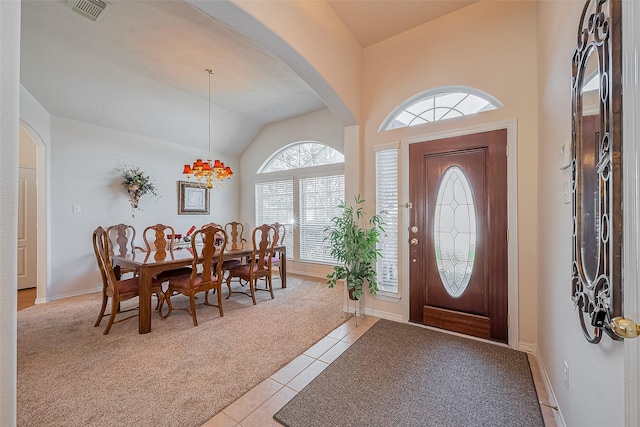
x,y
208,172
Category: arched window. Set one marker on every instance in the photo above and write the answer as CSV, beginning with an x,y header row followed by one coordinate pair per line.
x,y
301,155
437,104
300,186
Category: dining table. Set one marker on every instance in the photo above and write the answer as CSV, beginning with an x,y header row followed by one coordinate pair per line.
x,y
149,264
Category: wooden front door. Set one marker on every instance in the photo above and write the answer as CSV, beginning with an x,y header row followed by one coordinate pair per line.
x,y
458,234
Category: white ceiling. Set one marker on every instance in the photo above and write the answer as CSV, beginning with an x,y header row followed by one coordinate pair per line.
x,y
128,71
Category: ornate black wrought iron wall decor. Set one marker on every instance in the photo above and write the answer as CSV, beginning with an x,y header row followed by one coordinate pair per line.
x,y
597,168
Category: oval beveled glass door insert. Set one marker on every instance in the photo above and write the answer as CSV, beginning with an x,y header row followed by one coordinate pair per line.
x,y
454,231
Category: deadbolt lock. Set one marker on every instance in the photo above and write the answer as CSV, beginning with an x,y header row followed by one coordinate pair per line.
x,y
414,229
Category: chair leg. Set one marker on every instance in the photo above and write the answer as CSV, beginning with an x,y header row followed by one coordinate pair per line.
x,y
104,307
252,286
170,309
192,303
220,302
229,285
161,299
112,317
270,284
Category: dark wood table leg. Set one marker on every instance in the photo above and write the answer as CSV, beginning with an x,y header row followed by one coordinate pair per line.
x,y
144,303
283,261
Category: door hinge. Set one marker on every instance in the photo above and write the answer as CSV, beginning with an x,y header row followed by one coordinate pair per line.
x,y
508,321
507,235
507,151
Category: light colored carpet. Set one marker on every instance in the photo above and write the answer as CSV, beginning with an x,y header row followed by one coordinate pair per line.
x,y
69,374
399,374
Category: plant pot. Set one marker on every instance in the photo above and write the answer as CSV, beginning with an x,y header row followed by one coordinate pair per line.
x,y
351,297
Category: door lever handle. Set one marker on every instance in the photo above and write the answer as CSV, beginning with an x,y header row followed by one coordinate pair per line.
x,y
625,328
414,241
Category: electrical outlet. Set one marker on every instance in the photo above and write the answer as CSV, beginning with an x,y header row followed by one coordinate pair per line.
x,y
565,374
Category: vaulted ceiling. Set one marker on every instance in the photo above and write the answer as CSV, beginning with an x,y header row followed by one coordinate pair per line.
x,y
140,67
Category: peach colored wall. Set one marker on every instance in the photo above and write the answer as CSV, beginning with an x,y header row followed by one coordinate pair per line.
x,y
490,46
313,30
594,396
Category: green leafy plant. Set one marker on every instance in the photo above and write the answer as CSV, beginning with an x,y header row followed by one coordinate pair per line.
x,y
355,248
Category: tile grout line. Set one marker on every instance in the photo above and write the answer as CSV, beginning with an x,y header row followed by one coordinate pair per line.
x,y
349,342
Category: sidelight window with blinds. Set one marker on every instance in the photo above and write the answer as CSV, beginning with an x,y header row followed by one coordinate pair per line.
x,y
387,206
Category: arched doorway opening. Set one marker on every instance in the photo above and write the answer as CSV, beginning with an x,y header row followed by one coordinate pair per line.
x,y
34,159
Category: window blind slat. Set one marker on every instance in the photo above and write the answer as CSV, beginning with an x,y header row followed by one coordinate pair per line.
x,y
274,203
319,198
387,206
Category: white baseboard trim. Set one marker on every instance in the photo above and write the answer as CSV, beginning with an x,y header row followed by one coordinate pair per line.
x,y
307,273
383,315
69,295
528,347
557,413
348,308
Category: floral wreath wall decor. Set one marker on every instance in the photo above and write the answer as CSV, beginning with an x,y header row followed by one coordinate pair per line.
x,y
137,184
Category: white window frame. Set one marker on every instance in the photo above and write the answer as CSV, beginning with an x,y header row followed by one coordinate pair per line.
x,y
296,175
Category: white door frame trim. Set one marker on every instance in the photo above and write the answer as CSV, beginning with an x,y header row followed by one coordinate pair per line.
x,y
44,247
512,212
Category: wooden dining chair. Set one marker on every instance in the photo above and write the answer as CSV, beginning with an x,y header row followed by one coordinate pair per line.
x,y
235,231
117,290
122,242
156,235
209,256
281,232
263,239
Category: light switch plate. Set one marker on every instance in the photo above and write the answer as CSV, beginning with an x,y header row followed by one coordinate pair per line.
x,y
77,208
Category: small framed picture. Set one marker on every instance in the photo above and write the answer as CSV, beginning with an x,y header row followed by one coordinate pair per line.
x,y
192,199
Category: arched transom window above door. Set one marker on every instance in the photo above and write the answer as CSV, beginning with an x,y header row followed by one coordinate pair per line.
x,y
437,104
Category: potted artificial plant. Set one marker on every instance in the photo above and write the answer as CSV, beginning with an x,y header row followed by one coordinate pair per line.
x,y
354,247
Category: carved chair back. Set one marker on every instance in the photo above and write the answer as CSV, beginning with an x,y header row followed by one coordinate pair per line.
x,y
235,230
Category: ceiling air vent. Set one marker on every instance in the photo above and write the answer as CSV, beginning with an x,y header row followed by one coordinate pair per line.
x,y
92,9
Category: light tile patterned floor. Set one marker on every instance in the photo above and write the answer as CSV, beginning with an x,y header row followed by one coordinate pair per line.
x,y
257,407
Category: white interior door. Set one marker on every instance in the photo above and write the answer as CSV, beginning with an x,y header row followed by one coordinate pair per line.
x,y
27,225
